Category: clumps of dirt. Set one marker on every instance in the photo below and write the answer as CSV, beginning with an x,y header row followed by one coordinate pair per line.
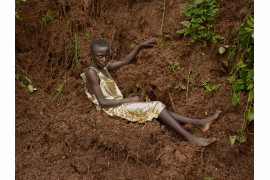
x,y
60,134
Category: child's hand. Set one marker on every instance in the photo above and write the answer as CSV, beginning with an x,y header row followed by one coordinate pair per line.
x,y
147,44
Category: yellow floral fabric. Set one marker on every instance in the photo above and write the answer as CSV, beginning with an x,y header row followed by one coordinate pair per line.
x,y
134,111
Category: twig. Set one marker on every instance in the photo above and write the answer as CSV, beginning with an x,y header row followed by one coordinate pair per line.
x,y
124,165
112,37
141,164
161,28
171,99
188,83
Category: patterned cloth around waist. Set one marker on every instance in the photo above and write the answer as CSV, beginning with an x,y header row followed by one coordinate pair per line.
x,y
134,111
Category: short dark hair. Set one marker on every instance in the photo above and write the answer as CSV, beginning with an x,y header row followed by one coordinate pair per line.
x,y
98,42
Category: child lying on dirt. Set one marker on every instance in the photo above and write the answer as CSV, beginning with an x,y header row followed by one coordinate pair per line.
x,y
102,90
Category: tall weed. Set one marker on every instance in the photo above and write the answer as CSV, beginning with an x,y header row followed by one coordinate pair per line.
x,y
242,77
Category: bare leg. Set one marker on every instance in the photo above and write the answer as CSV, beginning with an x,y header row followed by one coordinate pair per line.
x,y
202,124
168,120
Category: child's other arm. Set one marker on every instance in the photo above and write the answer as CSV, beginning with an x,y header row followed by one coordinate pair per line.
x,y
131,55
93,79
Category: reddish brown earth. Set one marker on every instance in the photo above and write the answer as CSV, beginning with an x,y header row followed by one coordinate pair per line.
x,y
70,139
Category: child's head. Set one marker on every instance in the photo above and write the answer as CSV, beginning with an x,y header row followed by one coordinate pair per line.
x,y
100,51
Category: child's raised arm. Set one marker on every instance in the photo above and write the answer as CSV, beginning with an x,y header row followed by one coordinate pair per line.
x,y
131,55
93,79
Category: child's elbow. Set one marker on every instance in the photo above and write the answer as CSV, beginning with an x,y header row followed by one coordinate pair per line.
x,y
103,104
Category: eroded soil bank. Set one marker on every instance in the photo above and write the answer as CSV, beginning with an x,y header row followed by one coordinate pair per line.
x,y
63,136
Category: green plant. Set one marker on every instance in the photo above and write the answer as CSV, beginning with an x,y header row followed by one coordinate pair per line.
x,y
87,37
242,138
67,25
17,2
48,17
75,49
161,45
196,134
173,65
209,89
199,15
60,89
25,82
59,94
242,75
222,49
180,87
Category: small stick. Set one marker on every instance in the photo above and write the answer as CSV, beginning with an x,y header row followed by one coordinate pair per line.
x,y
171,99
112,37
187,83
161,28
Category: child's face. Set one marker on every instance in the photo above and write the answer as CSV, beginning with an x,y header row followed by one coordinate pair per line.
x,y
101,56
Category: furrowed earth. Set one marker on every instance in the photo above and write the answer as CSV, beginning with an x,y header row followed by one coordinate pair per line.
x,y
60,134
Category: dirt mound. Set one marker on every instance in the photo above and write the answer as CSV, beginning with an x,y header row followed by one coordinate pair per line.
x,y
60,134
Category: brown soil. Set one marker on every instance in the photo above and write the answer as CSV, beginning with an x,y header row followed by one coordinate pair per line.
x,y
70,139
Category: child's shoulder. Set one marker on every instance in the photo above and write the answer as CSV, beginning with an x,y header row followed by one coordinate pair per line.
x,y
91,74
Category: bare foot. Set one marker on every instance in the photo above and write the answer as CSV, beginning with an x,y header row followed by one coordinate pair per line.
x,y
206,123
203,141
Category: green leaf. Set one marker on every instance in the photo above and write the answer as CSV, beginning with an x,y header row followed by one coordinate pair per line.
x,y
186,23
232,139
201,27
236,98
250,95
60,87
239,85
232,79
183,11
211,12
195,25
181,31
198,1
243,138
241,64
231,54
221,50
226,63
188,14
210,18
203,17
186,32
250,86
17,14
197,11
243,75
251,56
250,116
234,70
26,79
242,31
197,20
251,73
31,88
22,84
188,6
17,76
